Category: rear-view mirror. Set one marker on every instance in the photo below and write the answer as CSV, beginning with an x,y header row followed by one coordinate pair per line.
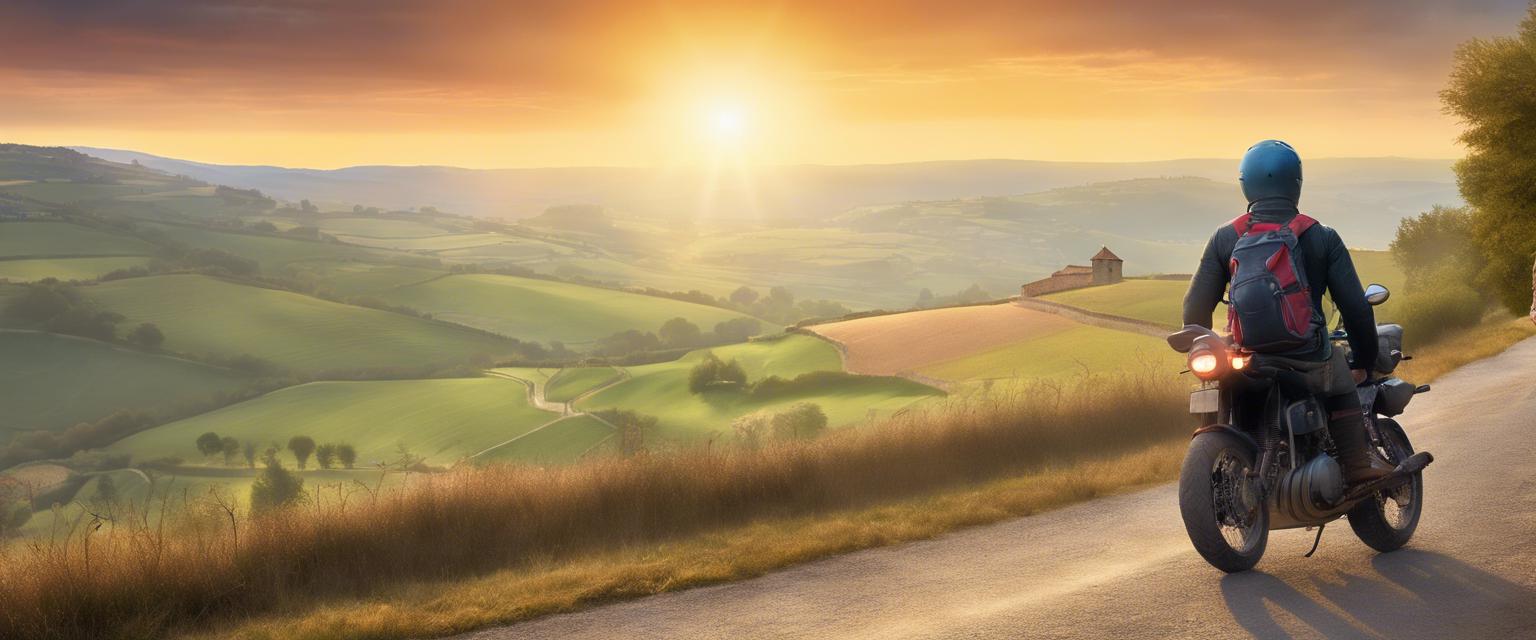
x,y
1376,294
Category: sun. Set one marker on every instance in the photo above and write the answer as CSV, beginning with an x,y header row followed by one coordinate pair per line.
x,y
725,123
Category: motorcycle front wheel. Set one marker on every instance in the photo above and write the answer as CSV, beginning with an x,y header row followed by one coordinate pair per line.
x,y
1223,514
1386,521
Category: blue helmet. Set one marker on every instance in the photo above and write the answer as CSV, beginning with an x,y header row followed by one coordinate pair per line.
x,y
1271,170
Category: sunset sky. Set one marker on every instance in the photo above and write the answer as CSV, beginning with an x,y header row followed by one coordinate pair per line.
x,y
636,83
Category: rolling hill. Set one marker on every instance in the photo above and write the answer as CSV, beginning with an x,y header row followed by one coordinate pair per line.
x,y
200,314
442,420
544,310
661,390
53,382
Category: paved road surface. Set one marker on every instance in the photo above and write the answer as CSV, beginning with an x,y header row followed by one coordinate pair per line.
x,y
1121,567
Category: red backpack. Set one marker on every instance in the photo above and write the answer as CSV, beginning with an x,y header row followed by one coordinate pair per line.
x,y
1271,304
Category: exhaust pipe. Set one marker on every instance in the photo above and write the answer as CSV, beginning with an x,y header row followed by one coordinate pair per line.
x,y
1404,471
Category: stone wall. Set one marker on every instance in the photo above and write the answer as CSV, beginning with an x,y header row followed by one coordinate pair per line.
x,y
1054,284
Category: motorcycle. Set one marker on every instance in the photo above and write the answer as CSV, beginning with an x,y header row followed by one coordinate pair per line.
x,y
1262,458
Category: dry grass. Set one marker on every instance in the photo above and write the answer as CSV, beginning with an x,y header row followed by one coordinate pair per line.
x,y
1497,332
205,569
421,610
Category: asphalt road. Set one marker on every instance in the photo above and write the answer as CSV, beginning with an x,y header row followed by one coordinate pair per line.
x,y
1122,568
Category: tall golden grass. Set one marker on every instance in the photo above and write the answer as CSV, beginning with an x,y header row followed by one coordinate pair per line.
x,y
203,567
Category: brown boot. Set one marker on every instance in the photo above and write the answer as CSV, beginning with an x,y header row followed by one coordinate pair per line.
x,y
1347,425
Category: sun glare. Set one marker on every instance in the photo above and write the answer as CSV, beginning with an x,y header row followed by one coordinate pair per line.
x,y
727,123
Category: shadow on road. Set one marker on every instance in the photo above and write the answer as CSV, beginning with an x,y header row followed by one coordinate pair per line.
x,y
1404,594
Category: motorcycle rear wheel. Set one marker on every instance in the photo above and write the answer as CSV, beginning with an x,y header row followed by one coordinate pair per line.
x,y
1386,521
1224,516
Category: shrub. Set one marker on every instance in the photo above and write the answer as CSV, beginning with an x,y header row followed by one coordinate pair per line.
x,y
712,373
275,488
302,447
346,455
325,455
147,335
803,421
209,443
1432,313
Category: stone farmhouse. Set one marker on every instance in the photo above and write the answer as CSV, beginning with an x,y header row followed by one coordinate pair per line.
x,y
1107,268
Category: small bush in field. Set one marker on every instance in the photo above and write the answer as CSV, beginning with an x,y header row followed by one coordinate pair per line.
x,y
302,447
804,420
325,455
275,488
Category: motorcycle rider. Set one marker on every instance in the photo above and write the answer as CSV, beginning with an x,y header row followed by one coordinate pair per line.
x,y
1270,174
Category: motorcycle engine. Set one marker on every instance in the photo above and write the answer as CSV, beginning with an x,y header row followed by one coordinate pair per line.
x,y
1308,492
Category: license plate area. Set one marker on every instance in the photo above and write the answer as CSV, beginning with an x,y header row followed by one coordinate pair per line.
x,y
1205,401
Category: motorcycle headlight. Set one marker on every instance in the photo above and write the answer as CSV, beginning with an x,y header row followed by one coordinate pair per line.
x,y
1205,364
1239,361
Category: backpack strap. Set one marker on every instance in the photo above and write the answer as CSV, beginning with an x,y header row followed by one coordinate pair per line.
x,y
1298,225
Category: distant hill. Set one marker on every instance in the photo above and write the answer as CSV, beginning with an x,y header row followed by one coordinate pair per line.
x,y
777,194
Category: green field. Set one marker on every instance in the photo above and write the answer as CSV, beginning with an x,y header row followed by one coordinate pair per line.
x,y
200,314
558,442
443,420
661,390
569,383
1157,301
64,268
270,251
43,239
362,278
1074,352
544,310
75,192
54,382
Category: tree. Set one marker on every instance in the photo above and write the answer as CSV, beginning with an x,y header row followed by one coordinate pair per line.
x,y
230,448
307,207
712,372
751,429
678,333
302,447
743,296
265,227
737,329
1489,91
803,420
209,444
275,488
924,298
346,455
1434,243
146,335
250,454
325,455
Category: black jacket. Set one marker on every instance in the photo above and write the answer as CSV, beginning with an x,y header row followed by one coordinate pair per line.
x,y
1327,265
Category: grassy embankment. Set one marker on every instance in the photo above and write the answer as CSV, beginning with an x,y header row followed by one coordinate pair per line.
x,y
606,516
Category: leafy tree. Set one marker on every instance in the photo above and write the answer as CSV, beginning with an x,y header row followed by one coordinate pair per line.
x,y
209,444
146,335
230,447
325,455
803,420
924,298
679,332
627,342
250,453
744,296
275,488
1434,243
346,455
750,430
307,207
1490,92
712,372
302,447
737,329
